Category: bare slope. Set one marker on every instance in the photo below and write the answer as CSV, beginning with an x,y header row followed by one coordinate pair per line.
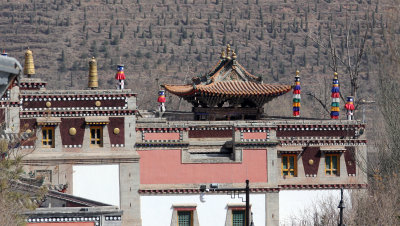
x,y
175,40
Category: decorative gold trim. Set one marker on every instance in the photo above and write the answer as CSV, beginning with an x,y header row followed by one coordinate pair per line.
x,y
116,131
48,104
72,131
97,123
310,162
97,103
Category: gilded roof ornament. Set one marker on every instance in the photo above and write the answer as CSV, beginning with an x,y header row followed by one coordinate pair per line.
x,y
223,56
228,51
234,55
93,76
29,67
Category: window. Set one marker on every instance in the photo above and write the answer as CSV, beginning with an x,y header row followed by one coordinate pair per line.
x,y
238,217
185,218
332,164
48,137
96,136
289,165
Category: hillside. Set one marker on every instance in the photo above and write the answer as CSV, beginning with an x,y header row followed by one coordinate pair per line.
x,y
168,41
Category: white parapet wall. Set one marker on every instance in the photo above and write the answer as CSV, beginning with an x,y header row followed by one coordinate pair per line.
x,y
211,209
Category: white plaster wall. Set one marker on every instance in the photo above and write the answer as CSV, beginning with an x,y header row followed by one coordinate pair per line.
x,y
97,182
293,203
211,209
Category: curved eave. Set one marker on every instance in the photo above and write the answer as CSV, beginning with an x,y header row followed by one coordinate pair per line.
x,y
179,90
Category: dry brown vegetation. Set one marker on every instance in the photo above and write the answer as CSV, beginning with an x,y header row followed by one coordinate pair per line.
x,y
174,40
379,204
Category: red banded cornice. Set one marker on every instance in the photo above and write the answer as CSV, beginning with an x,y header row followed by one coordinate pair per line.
x,y
322,142
321,186
297,127
76,113
160,129
197,191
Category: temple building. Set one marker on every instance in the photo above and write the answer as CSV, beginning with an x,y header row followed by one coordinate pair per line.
x,y
227,91
182,165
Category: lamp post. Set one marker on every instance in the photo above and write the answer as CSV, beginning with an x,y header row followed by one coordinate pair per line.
x,y
247,203
341,207
234,190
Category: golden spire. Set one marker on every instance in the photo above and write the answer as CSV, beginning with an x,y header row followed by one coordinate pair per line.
x,y
223,56
93,77
234,55
297,73
29,67
228,51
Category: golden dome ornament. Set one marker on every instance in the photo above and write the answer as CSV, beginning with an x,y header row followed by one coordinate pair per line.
x,y
223,56
72,131
311,162
93,76
228,51
29,67
48,104
97,103
116,131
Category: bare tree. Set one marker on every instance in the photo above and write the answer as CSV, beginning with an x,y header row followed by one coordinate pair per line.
x,y
14,202
350,61
379,203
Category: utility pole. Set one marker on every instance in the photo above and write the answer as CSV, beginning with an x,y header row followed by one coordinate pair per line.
x,y
341,207
247,203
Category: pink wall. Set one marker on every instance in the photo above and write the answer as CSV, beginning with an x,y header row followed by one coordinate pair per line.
x,y
161,136
255,135
165,167
62,224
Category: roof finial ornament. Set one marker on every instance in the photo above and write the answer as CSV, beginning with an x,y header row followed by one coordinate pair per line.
x,y
93,77
335,108
228,51
296,95
29,67
120,76
223,56
350,108
234,55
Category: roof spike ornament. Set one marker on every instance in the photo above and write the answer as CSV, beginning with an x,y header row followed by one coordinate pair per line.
x,y
335,109
223,56
296,95
29,67
120,76
234,56
228,51
93,76
350,107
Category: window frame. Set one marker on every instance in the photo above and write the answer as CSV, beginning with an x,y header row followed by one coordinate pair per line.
x,y
47,139
242,211
330,169
185,211
288,169
96,139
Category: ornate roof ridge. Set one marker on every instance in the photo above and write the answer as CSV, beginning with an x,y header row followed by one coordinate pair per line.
x,y
75,92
